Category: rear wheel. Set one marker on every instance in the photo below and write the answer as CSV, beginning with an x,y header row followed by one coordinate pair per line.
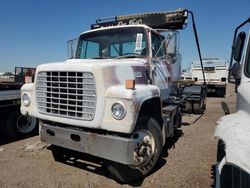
x,y
189,107
220,92
146,154
200,106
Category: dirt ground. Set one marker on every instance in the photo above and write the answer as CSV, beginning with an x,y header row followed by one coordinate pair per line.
x,y
187,160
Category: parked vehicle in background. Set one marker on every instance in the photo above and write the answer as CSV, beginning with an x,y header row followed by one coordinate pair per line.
x,y
118,97
216,74
13,123
186,74
233,130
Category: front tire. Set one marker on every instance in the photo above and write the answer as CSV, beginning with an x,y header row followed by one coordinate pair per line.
x,y
128,173
19,126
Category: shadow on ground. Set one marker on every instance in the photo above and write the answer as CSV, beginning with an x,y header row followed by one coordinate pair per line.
x,y
5,139
195,118
85,162
170,142
214,95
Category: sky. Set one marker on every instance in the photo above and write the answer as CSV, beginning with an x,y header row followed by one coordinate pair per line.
x,y
34,32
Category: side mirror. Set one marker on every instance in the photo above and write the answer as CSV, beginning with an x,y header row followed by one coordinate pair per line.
x,y
235,72
72,45
172,40
235,69
238,46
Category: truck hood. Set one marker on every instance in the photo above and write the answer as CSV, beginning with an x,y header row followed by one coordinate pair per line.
x,y
105,81
234,130
108,61
96,62
114,71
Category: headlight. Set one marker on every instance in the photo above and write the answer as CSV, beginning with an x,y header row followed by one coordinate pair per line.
x,y
26,100
118,111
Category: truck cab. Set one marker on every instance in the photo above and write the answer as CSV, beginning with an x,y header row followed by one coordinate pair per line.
x,y
233,130
107,59
148,46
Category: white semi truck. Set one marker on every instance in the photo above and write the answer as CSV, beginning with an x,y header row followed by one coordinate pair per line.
x,y
216,74
118,96
233,130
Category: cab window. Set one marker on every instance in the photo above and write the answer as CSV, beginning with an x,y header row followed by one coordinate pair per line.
x,y
158,47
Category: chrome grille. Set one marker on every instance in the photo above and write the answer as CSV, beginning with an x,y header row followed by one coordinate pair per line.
x,y
66,94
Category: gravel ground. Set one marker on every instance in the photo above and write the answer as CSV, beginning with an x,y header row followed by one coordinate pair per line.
x,y
187,160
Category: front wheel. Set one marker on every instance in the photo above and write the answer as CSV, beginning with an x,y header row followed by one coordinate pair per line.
x,y
146,154
19,126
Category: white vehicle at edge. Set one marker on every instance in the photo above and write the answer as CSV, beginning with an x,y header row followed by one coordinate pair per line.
x,y
233,130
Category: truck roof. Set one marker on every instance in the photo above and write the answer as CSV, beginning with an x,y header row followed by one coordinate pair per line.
x,y
119,26
211,62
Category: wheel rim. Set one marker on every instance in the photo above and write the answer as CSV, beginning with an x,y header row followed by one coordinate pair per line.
x,y
145,147
26,124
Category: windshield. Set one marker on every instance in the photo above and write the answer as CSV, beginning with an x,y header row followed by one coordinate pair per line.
x,y
123,42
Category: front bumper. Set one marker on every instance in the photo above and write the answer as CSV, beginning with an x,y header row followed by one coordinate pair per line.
x,y
115,148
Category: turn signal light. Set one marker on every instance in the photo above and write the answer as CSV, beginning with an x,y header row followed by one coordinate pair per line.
x,y
28,79
130,84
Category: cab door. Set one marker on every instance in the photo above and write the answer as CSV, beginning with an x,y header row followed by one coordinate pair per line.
x,y
162,71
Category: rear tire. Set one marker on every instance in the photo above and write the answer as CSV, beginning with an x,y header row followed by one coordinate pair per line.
x,y
128,173
189,107
220,92
200,106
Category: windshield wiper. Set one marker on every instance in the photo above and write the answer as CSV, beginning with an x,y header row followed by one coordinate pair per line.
x,y
129,56
101,58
